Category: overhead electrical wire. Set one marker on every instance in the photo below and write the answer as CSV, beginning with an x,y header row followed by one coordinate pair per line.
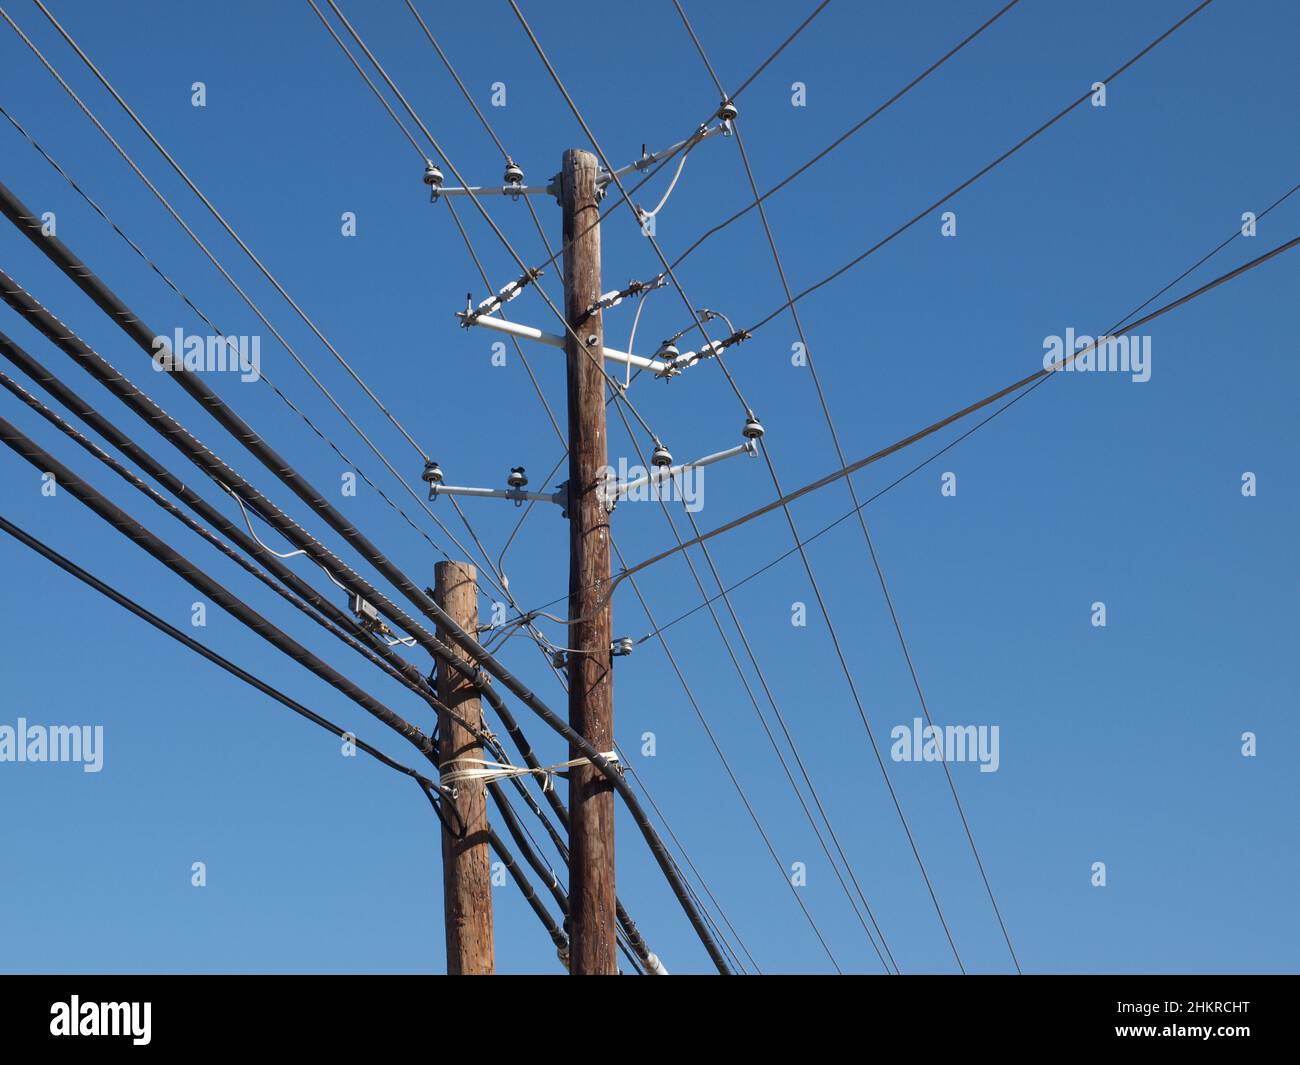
x,y
624,919
84,277
882,950
717,357
466,641
126,602
474,199
681,847
713,231
366,649
780,48
230,231
625,194
848,481
302,594
1029,137
709,345
80,490
338,407
429,788
415,117
1032,379
86,495
726,765
396,666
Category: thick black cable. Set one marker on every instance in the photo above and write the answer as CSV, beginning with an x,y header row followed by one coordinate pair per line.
x,y
221,269
127,603
427,786
401,670
379,653
21,358
394,666
46,463
558,937
50,326
82,409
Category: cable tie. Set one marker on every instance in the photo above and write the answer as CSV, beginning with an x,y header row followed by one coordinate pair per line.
x,y
486,772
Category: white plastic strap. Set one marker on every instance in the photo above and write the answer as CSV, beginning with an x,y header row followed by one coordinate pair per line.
x,y
486,772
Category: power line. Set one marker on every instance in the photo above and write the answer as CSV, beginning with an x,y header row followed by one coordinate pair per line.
x,y
226,477
393,664
849,133
479,206
735,619
180,171
815,585
848,481
430,789
402,674
24,446
735,957
124,601
625,195
716,352
301,595
190,303
442,55
709,345
252,305
82,491
930,430
979,174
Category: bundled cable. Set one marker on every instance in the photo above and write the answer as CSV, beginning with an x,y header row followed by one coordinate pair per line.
x,y
486,772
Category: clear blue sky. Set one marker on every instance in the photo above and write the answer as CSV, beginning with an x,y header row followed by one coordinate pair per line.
x,y
1118,745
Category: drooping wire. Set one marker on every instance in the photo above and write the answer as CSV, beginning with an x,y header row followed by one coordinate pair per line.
x,y
848,481
846,135
1029,137
749,413
1031,380
231,281
709,344
882,950
474,199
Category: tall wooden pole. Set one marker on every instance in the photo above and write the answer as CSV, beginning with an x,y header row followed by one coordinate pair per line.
x,y
466,860
591,696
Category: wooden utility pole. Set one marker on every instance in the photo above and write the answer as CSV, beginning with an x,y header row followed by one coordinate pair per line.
x,y
466,861
591,691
